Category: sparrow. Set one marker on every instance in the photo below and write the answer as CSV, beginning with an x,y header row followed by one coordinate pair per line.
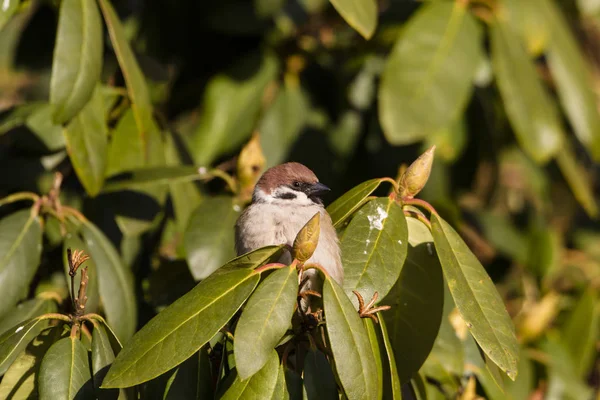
x,y
284,199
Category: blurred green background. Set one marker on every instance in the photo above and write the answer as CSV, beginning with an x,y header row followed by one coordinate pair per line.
x,y
506,89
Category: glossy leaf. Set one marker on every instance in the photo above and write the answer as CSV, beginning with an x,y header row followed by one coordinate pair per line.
x,y
40,123
578,179
262,385
374,341
229,107
9,7
319,381
581,332
395,390
26,311
65,371
115,283
125,151
20,249
418,291
359,14
573,78
209,237
135,81
15,339
351,201
355,361
530,110
283,122
77,58
152,176
182,328
428,77
256,258
20,380
87,142
374,248
102,358
476,297
265,320
563,380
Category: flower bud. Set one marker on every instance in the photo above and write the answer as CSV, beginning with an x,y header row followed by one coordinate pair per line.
x,y
307,239
415,177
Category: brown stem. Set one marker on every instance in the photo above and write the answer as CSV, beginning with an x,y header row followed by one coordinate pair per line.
x,y
268,267
420,203
317,267
75,213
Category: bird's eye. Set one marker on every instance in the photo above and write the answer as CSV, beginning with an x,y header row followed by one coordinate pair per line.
x,y
297,184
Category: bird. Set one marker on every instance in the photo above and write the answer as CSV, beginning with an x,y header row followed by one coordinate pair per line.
x,y
284,199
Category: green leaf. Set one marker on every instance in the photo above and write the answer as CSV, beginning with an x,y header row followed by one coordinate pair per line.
x,y
77,58
265,320
209,237
581,332
374,340
487,373
578,179
87,142
149,135
530,110
40,123
263,385
181,329
153,176
256,258
355,361
319,381
573,78
428,78
102,358
125,151
65,371
20,250
115,283
73,242
374,248
418,291
184,195
9,7
283,122
476,297
230,107
20,380
15,339
359,14
395,385
520,388
563,381
504,235
351,201
26,311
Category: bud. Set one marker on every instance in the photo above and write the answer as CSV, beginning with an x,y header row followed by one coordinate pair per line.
x,y
415,177
307,239
250,165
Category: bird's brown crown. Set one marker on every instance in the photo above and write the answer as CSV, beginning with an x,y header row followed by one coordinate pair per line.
x,y
285,174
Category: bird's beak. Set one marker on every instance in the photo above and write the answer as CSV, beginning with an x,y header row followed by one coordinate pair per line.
x,y
317,189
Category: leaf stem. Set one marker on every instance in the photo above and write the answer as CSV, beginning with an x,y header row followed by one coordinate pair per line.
x,y
419,217
393,182
18,197
317,267
58,316
420,203
75,213
226,177
268,267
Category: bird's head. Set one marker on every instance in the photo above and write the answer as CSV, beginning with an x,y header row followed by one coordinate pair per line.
x,y
289,184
